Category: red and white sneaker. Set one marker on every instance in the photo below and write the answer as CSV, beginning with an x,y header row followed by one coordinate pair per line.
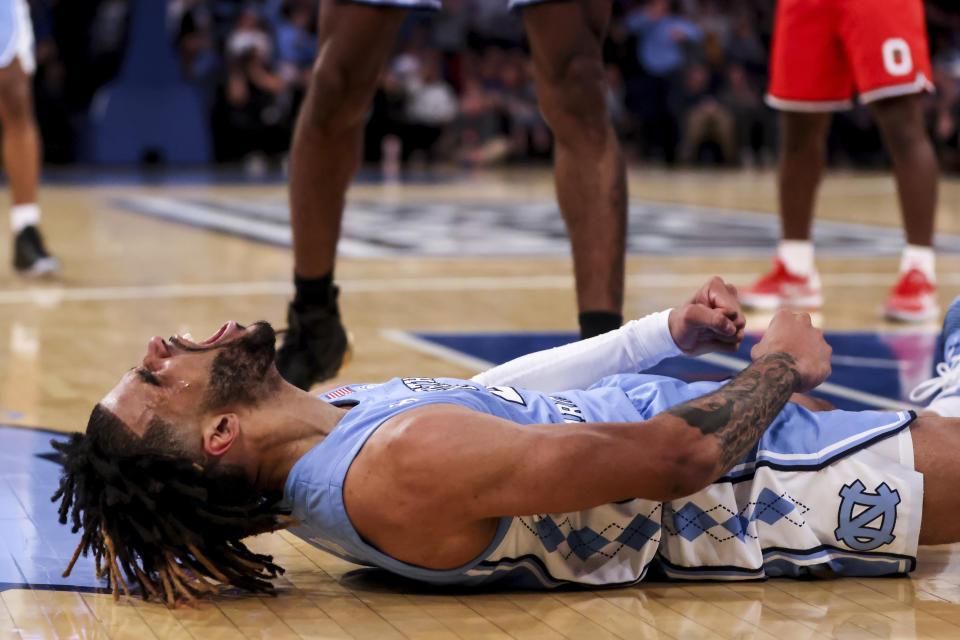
x,y
780,288
913,298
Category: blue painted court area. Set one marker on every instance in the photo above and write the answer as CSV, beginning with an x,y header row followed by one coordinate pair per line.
x,y
35,548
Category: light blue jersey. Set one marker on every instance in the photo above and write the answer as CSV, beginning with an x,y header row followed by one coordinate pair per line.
x,y
795,504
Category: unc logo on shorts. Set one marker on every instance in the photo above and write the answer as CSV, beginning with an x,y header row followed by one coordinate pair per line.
x,y
881,505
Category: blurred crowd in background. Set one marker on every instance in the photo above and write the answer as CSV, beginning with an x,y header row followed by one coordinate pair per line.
x,y
686,81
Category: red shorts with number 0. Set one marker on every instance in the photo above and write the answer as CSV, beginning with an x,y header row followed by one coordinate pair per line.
x,y
824,51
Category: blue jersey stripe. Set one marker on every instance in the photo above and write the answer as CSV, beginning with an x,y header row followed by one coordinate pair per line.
x,y
796,563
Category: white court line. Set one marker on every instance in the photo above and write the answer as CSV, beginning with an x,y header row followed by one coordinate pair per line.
x,y
52,296
434,349
859,361
840,391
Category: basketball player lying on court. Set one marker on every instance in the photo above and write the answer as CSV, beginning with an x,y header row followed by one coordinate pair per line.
x,y
560,467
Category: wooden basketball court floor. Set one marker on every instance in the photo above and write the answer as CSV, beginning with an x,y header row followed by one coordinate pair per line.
x,y
128,276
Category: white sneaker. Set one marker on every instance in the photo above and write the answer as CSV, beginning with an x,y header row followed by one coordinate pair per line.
x,y
944,389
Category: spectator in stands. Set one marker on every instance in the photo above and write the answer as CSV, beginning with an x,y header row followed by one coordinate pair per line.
x,y
481,140
714,22
256,52
296,41
943,21
705,119
745,49
108,34
192,25
666,42
385,125
256,102
49,83
753,121
526,130
716,27
449,31
431,105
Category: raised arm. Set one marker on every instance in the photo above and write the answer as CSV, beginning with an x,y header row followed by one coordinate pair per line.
x,y
710,320
673,454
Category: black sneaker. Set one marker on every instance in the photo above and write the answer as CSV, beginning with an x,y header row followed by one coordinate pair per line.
x,y
29,255
315,345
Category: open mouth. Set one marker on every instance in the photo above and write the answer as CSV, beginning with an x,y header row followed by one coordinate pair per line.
x,y
216,336
188,340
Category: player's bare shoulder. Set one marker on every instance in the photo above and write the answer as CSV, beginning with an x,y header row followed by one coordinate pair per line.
x,y
403,492
423,461
411,450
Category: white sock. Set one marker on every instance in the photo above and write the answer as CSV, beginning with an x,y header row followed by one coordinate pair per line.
x,y
24,215
947,406
797,255
918,257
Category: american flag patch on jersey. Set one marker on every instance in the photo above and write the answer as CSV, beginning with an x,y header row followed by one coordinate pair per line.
x,y
338,393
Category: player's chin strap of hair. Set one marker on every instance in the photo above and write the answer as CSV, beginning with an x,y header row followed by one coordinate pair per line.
x,y
637,345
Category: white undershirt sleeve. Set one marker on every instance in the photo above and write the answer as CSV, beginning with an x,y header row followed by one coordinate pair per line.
x,y
637,345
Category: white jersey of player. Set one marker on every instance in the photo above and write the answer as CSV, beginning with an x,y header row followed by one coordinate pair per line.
x,y
16,35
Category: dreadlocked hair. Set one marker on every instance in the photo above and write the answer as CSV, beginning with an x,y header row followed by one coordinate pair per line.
x,y
152,513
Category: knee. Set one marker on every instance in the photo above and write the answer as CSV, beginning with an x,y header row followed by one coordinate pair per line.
x,y
338,97
901,123
573,99
907,141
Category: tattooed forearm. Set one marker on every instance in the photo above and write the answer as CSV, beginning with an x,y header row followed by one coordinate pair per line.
x,y
740,411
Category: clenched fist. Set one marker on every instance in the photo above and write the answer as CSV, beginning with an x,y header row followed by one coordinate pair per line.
x,y
792,333
710,321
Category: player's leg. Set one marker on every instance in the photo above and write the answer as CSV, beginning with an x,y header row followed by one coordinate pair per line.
x,y
794,280
936,442
936,437
890,58
809,79
902,126
901,123
21,161
354,43
566,41
800,167
21,141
